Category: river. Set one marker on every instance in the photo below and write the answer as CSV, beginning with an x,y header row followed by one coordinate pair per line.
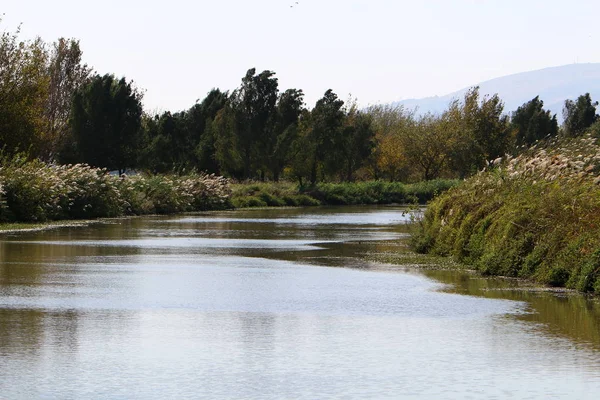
x,y
276,304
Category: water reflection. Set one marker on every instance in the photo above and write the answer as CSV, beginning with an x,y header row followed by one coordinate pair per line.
x,y
569,315
275,304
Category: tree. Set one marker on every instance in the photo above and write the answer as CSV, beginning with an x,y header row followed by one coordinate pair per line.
x,y
250,109
425,145
164,143
302,150
579,115
356,142
183,141
23,90
200,119
284,130
479,129
388,158
316,146
106,118
532,123
227,148
66,74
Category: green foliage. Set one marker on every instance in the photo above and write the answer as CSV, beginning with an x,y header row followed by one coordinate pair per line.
x,y
247,123
537,217
458,143
372,192
324,131
23,91
579,115
200,120
479,130
269,194
425,143
532,123
356,142
66,74
388,159
36,85
183,141
106,123
284,131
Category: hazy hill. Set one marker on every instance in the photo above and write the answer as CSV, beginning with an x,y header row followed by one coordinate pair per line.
x,y
554,85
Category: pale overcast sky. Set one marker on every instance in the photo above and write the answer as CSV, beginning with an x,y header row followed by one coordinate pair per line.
x,y
377,50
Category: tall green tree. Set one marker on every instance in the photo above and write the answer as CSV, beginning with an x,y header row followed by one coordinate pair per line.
x,y
164,143
356,143
251,108
579,115
200,119
479,129
23,92
183,141
227,149
325,127
531,123
106,119
284,130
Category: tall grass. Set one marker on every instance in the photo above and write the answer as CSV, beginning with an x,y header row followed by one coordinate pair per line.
x,y
536,217
33,191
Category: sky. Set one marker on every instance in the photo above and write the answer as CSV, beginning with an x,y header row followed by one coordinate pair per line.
x,y
374,51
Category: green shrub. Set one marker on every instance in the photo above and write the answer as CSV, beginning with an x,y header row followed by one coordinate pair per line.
x,y
537,217
305,200
372,192
248,201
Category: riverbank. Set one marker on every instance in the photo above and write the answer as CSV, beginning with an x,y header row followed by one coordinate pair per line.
x,y
536,216
35,192
260,194
32,192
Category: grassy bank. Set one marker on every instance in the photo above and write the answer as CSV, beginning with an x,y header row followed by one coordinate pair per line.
x,y
536,217
373,192
32,191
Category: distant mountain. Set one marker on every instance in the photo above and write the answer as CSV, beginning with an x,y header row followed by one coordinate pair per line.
x,y
554,85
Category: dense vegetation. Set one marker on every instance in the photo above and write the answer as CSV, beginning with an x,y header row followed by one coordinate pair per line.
x,y
261,194
32,191
534,216
57,109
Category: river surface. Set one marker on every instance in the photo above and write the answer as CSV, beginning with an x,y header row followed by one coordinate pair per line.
x,y
276,304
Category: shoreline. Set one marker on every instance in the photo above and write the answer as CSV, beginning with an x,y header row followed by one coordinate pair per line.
x,y
404,258
28,227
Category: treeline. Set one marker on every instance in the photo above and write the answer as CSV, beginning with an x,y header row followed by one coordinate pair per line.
x,y
55,108
465,138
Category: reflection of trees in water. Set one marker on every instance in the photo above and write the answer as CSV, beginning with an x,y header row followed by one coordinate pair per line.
x,y
568,315
25,262
32,332
31,271
21,331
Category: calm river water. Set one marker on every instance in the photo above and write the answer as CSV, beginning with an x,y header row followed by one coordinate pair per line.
x,y
275,304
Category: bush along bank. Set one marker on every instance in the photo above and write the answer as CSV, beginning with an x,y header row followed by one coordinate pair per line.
x,y
536,216
32,191
372,192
